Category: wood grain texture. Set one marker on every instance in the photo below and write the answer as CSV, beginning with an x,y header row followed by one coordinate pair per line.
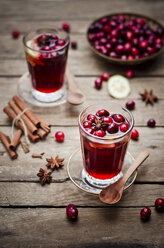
x,y
96,227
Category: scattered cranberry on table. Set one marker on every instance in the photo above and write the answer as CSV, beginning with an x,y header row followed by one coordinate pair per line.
x,y
71,212
15,34
59,136
159,204
66,27
98,83
134,134
130,74
74,45
145,214
130,105
105,76
151,123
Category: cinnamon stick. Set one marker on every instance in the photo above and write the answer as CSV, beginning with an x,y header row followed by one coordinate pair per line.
x,y
26,120
42,133
12,116
6,142
37,155
34,119
16,140
25,148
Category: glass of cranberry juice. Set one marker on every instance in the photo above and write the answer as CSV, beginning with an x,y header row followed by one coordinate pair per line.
x,y
46,54
104,132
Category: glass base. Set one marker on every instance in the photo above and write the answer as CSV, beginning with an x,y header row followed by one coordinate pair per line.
x,y
48,97
98,182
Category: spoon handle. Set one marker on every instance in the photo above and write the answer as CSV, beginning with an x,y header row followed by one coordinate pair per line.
x,y
71,80
143,155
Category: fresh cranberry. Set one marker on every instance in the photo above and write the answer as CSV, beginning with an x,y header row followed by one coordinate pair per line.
x,y
60,42
124,127
141,21
114,33
150,50
46,48
135,41
143,44
130,105
113,24
158,47
103,21
90,130
113,54
99,35
59,136
130,74
105,76
99,133
118,118
119,49
103,41
113,41
87,124
66,26
92,37
135,134
134,51
15,34
98,83
107,119
129,35
43,55
151,123
72,212
158,41
54,37
91,118
112,128
102,112
106,29
145,213
124,57
122,18
108,47
159,204
74,45
127,48
130,57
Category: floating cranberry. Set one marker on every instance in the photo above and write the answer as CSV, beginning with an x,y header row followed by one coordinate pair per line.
x,y
151,123
112,128
107,119
105,76
91,118
59,136
74,45
99,133
15,34
60,42
145,214
72,212
124,127
130,74
98,83
66,26
90,130
130,105
46,48
134,134
118,118
143,44
102,112
159,204
87,124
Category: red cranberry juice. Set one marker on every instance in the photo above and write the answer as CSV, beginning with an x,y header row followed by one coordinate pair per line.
x,y
47,69
104,161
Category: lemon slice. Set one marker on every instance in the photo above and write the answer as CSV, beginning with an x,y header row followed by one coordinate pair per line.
x,y
118,86
31,44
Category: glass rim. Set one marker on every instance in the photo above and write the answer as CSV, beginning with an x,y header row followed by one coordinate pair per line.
x,y
105,138
67,39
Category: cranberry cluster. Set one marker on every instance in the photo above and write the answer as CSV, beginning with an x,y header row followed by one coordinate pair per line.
x,y
48,43
125,37
146,212
115,123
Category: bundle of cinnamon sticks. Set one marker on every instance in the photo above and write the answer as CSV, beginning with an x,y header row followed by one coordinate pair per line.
x,y
37,128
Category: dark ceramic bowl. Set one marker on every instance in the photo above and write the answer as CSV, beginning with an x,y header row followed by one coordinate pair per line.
x,y
149,21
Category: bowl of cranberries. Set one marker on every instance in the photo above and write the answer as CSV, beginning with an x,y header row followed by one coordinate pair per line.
x,y
126,38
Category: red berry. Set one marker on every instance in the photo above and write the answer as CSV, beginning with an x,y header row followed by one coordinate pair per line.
x,y
159,204
129,35
98,83
74,45
105,76
118,118
107,119
112,128
127,48
119,49
60,42
130,105
130,74
15,34
91,118
99,133
72,212
59,136
143,44
150,50
158,41
134,51
46,48
66,27
102,112
145,213
124,127
151,123
135,134
87,124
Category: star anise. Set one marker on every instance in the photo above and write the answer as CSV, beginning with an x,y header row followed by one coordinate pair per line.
x,y
148,97
100,124
55,162
44,176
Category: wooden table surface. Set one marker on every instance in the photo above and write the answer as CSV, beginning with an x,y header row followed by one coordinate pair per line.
x,y
34,216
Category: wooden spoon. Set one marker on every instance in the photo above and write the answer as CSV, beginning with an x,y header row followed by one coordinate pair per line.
x,y
75,96
113,193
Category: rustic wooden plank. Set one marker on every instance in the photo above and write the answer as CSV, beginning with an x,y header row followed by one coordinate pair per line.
x,y
25,167
59,194
114,227
76,9
83,61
